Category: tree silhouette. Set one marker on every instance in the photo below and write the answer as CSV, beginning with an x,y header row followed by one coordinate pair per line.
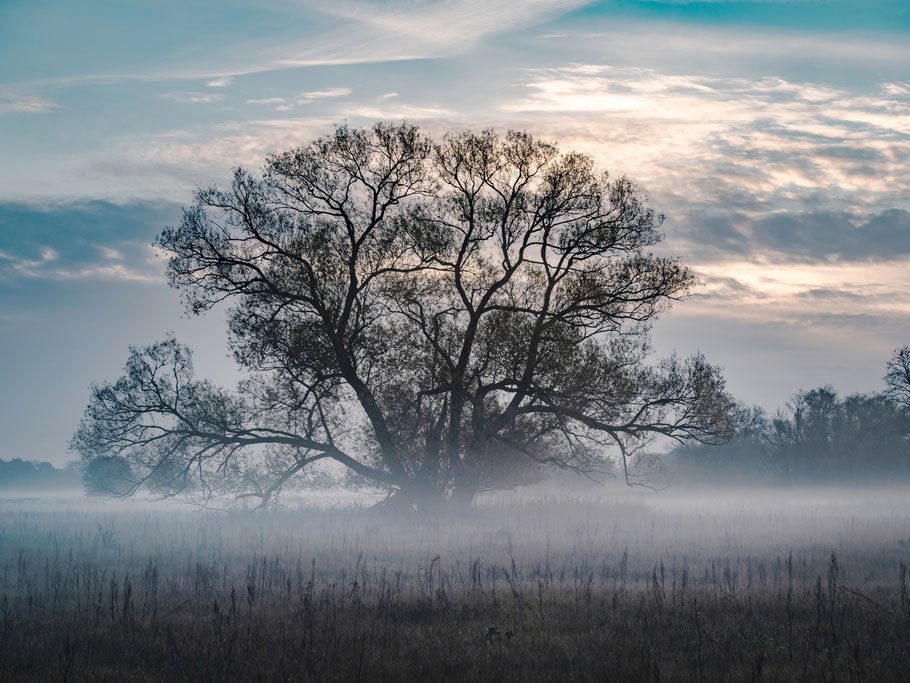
x,y
897,377
439,318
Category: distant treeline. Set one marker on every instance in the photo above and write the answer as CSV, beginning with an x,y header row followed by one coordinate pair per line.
x,y
25,474
818,437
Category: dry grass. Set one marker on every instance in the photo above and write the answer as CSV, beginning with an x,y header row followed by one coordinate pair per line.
x,y
621,588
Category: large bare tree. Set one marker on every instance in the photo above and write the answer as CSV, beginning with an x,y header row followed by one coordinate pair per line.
x,y
439,318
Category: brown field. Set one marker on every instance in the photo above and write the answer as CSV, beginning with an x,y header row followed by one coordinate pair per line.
x,y
798,585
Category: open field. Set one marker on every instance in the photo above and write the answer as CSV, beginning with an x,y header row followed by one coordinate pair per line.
x,y
793,585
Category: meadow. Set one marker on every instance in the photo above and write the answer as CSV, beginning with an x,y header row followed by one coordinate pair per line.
x,y
791,584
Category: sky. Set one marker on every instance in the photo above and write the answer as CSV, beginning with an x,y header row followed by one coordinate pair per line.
x,y
774,136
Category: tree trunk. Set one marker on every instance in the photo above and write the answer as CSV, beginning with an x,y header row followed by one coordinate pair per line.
x,y
465,489
415,497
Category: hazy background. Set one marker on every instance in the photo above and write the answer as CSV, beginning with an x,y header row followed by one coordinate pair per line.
x,y
775,136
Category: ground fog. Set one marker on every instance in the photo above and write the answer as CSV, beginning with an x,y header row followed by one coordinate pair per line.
x,y
528,585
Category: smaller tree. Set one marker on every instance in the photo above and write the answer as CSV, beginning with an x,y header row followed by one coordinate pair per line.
x,y
898,376
108,476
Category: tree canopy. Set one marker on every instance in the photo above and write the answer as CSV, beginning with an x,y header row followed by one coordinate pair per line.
x,y
440,318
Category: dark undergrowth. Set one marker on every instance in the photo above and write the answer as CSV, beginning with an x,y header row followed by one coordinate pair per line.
x,y
753,586
71,622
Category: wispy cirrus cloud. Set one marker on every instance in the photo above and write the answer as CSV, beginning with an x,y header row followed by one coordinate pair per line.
x,y
329,93
220,82
398,111
348,32
309,97
268,100
277,103
188,97
96,271
11,103
417,29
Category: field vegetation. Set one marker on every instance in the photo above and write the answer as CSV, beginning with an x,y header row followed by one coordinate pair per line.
x,y
744,585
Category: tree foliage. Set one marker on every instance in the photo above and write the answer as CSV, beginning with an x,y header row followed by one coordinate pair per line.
x,y
818,437
897,377
438,318
108,476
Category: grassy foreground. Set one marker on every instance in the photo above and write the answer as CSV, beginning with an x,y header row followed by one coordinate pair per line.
x,y
542,592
